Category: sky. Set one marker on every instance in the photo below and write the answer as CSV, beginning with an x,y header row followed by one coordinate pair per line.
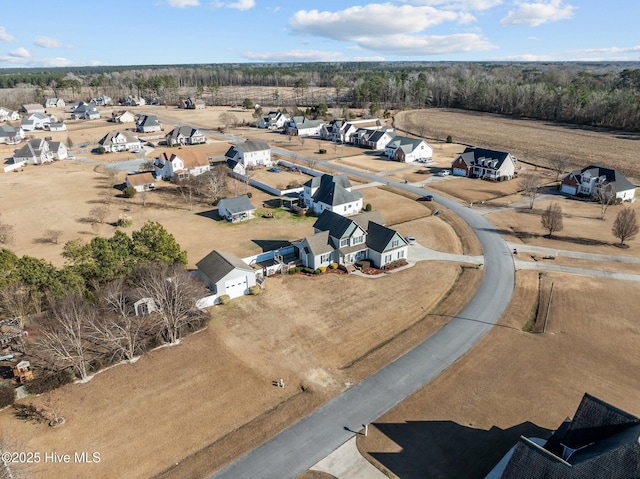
x,y
43,33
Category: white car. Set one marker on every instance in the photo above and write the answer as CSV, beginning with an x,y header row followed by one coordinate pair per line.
x,y
410,239
444,173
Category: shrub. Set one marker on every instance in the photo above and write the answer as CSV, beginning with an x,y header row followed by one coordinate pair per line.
x,y
7,396
224,299
449,139
363,263
125,222
254,290
322,151
249,194
50,382
333,266
317,271
322,269
129,192
367,207
308,270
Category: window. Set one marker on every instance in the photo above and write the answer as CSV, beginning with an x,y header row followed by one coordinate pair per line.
x,y
400,254
395,243
357,239
344,242
387,258
325,258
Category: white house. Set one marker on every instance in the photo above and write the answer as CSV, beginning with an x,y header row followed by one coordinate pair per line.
x,y
250,154
193,103
122,116
8,115
102,100
141,181
301,126
10,135
120,140
345,240
225,273
38,151
407,150
54,103
134,101
30,108
35,121
60,126
483,163
331,193
238,208
374,139
181,165
274,120
185,135
590,180
148,124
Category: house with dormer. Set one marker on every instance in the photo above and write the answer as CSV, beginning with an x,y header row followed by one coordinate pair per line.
x,y
373,139
250,154
10,135
148,124
331,193
122,116
102,100
185,135
181,165
589,181
54,103
345,240
120,140
274,120
38,151
486,164
301,126
8,115
408,150
35,121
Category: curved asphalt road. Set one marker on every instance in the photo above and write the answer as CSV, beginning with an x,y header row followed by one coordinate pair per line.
x,y
303,444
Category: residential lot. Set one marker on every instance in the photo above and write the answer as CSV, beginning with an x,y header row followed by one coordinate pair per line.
x,y
189,409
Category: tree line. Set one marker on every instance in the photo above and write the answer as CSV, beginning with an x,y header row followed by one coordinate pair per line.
x,y
595,94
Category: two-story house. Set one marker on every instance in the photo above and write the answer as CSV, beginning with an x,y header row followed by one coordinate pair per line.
x,y
181,165
10,135
274,120
249,154
487,164
35,121
38,151
148,124
185,135
407,150
590,180
331,193
120,140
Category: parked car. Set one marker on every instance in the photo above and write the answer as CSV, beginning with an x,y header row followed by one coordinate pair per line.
x,y
275,169
444,173
410,239
426,198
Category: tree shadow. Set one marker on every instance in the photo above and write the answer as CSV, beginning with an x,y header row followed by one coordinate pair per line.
x,y
445,449
270,245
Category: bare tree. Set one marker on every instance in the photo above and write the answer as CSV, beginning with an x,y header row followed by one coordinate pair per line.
x,y
625,225
605,195
551,218
188,190
7,233
302,139
52,236
99,214
16,301
64,338
559,164
146,166
228,119
175,292
530,186
310,161
213,183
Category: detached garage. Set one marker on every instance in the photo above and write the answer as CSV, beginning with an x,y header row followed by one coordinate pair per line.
x,y
225,273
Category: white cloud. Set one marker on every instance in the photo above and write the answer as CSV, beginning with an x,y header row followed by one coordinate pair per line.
x,y
535,14
37,62
183,3
367,59
6,37
369,20
476,5
20,53
47,42
390,29
238,5
293,56
608,50
527,57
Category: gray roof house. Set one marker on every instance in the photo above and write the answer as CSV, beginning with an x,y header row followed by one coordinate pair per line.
x,y
345,240
225,273
11,135
406,150
238,208
148,124
591,179
120,140
250,154
38,151
600,442
331,193
185,135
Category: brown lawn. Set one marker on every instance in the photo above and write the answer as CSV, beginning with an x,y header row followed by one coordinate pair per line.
x,y
479,407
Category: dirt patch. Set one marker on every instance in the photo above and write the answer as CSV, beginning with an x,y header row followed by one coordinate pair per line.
x,y
483,403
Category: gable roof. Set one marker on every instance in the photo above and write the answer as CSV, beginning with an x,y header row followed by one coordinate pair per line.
x,y
379,237
405,143
337,225
108,138
140,179
253,145
192,158
8,130
619,182
187,131
33,148
317,244
333,190
148,120
473,155
237,204
217,264
600,442
363,219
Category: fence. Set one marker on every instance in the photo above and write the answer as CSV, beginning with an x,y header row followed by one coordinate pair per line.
x,y
14,166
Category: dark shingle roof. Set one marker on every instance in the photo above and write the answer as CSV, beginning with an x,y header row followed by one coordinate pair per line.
x,y
619,182
332,190
379,237
217,264
337,225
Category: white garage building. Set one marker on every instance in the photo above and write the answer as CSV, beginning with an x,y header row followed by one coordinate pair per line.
x,y
225,273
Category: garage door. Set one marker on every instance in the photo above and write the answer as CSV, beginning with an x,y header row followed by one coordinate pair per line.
x,y
236,287
570,190
459,172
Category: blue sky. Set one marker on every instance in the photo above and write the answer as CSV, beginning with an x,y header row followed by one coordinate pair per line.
x,y
43,33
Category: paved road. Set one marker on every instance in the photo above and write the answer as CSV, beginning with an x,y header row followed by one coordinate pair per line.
x,y
314,437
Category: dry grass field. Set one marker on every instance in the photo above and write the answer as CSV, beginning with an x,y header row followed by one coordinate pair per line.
x,y
515,383
530,140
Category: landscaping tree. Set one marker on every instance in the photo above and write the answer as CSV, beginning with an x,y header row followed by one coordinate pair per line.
x,y
247,104
559,164
154,243
551,218
530,186
129,192
605,195
52,236
213,183
175,292
625,225
64,337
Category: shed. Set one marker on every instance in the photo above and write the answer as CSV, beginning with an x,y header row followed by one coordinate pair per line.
x,y
225,273
235,209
